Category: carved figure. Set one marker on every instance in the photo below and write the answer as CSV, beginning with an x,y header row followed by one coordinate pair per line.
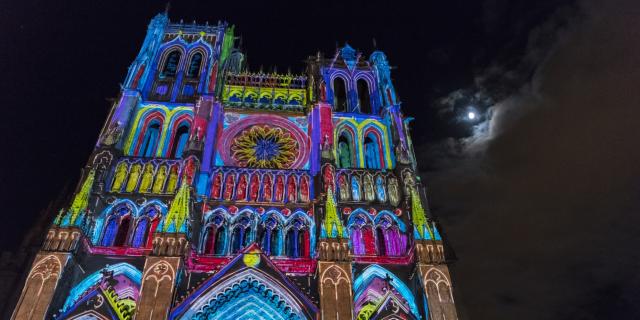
x,y
161,176
134,175
147,178
119,177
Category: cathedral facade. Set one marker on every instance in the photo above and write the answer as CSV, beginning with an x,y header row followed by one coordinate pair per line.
x,y
214,192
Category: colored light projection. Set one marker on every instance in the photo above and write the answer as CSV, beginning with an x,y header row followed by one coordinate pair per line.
x,y
362,143
377,290
158,130
125,224
383,234
265,91
249,288
286,233
109,293
264,141
264,146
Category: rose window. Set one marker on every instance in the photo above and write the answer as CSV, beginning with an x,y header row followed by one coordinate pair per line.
x,y
264,146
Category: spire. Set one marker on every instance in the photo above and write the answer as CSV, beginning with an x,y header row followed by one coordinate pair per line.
x,y
167,7
80,201
418,218
332,223
178,211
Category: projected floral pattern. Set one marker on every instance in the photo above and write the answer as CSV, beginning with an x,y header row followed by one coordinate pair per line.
x,y
264,146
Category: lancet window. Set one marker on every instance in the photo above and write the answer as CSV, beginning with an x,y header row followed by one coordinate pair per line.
x,y
271,236
364,98
382,236
171,63
179,141
150,139
214,235
297,239
194,65
339,95
145,224
117,227
241,236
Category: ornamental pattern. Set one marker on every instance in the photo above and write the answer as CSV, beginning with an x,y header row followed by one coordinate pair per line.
x,y
264,146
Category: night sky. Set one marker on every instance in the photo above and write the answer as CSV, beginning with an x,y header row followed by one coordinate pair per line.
x,y
539,196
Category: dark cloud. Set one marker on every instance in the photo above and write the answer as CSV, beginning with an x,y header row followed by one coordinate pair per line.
x,y
542,203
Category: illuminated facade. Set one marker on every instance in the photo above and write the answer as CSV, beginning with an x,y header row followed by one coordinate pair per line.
x,y
217,193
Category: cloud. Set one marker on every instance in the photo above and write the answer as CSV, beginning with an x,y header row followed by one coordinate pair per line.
x,y
541,202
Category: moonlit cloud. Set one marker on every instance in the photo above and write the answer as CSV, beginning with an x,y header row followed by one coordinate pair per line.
x,y
540,201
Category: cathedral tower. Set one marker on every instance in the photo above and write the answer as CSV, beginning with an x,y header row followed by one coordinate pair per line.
x,y
214,192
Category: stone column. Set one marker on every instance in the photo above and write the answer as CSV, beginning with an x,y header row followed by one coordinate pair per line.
x,y
40,285
158,285
435,279
335,281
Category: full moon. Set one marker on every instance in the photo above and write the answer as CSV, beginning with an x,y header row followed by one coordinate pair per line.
x,y
471,115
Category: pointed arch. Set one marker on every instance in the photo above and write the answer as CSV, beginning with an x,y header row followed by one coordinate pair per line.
x,y
346,145
170,61
249,293
145,225
366,285
364,95
361,236
339,88
125,269
273,223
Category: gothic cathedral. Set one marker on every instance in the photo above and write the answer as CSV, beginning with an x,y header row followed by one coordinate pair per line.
x,y
214,192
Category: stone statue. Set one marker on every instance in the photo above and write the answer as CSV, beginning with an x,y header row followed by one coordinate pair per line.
x,y
158,184
369,193
147,178
292,192
241,193
228,187
254,187
380,189
112,135
279,194
134,175
304,189
119,177
343,184
394,191
402,155
173,179
355,188
217,186
409,183
267,188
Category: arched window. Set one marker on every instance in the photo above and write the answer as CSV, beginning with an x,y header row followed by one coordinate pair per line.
x,y
179,141
339,95
361,236
345,151
297,239
371,151
209,239
213,240
150,140
171,64
270,237
241,235
390,240
143,228
194,65
110,231
220,248
117,227
380,242
364,99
